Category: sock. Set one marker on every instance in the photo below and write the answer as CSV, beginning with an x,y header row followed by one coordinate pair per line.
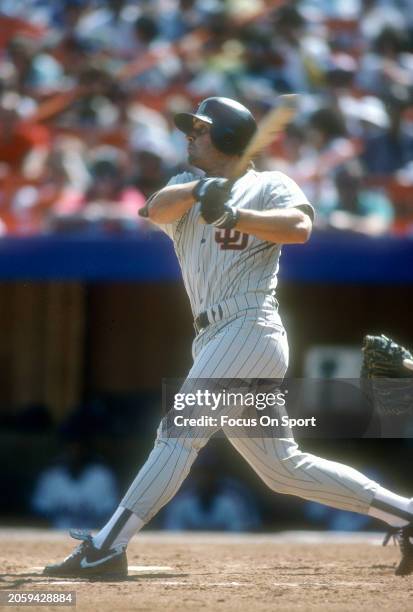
x,y
118,530
393,509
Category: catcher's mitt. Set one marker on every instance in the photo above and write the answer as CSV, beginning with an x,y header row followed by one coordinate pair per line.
x,y
384,358
389,367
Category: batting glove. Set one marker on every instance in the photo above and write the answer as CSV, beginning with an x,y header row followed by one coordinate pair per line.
x,y
213,194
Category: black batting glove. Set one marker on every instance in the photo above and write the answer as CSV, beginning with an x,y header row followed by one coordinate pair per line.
x,y
213,189
213,194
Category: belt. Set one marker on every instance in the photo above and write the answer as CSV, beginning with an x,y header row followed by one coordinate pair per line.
x,y
229,307
202,321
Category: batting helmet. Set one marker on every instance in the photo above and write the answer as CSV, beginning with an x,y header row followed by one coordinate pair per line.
x,y
232,124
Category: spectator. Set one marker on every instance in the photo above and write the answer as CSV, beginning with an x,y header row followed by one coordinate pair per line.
x,y
390,150
36,69
108,26
79,491
94,108
376,16
388,65
109,204
180,18
19,137
301,58
357,208
327,147
211,503
82,67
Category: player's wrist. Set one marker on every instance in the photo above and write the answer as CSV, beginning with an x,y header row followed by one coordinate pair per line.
x,y
229,218
213,194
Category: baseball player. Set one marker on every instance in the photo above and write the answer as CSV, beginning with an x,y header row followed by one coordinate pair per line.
x,y
227,236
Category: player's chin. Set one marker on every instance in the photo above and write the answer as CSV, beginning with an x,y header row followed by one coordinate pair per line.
x,y
192,157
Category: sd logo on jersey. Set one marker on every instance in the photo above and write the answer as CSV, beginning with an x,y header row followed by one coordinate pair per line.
x,y
231,240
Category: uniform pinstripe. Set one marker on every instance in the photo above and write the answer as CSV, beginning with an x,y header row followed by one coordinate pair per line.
x,y
232,278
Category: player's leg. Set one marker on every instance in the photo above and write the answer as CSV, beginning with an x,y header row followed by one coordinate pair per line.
x,y
286,469
163,472
225,353
156,483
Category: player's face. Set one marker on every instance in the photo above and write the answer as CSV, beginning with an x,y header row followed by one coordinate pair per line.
x,y
200,148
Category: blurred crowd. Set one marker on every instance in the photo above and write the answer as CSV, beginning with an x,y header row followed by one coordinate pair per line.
x,y
88,90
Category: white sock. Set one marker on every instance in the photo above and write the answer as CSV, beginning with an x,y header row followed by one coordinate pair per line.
x,y
118,530
393,509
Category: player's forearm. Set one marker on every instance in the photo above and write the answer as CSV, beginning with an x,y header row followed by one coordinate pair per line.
x,y
171,202
286,226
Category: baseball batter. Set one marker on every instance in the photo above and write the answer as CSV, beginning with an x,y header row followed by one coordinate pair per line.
x,y
227,236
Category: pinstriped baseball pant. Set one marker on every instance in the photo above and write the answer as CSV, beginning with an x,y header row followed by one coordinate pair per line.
x,y
252,345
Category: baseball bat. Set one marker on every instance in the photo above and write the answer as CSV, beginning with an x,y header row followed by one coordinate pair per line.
x,y
270,125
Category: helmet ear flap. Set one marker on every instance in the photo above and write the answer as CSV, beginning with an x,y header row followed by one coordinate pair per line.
x,y
228,136
224,138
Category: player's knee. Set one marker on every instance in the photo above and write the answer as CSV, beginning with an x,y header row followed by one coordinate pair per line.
x,y
288,467
187,444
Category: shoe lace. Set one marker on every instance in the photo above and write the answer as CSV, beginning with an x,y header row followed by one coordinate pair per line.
x,y
401,536
87,541
396,534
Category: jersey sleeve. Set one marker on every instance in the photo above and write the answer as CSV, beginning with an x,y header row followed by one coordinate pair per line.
x,y
178,179
282,192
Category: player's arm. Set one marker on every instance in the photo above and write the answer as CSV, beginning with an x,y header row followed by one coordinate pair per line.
x,y
282,226
170,203
288,223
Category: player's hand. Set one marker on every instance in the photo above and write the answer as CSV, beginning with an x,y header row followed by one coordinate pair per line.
x,y
144,212
213,194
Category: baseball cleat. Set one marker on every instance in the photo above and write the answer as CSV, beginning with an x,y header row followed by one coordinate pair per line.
x,y
404,537
87,561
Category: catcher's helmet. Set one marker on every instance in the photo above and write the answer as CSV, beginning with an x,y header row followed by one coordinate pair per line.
x,y
232,124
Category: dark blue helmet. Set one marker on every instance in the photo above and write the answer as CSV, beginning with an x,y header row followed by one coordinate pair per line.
x,y
232,124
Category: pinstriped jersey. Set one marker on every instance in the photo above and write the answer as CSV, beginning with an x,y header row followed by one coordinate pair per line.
x,y
220,264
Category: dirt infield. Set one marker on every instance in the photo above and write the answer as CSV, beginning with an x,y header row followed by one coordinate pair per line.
x,y
171,572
